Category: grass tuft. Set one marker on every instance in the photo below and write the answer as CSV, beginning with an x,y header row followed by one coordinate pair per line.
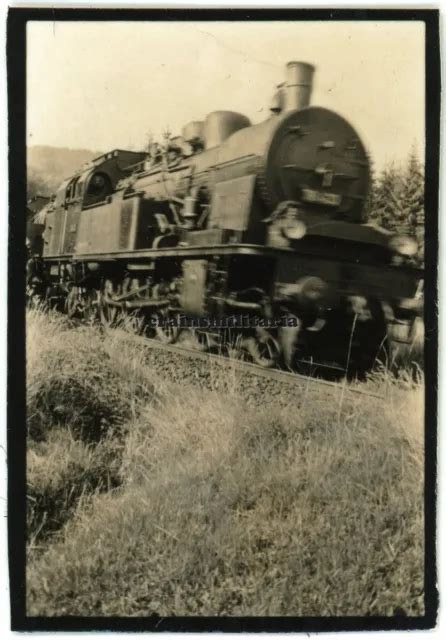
x,y
73,379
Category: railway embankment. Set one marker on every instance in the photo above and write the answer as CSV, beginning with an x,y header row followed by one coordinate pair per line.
x,y
199,492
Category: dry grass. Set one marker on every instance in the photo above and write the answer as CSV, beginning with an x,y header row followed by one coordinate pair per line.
x,y
224,508
61,471
74,379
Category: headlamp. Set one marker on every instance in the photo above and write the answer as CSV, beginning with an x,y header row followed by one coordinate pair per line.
x,y
404,245
295,230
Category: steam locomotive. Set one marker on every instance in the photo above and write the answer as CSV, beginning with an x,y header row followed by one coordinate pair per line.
x,y
265,220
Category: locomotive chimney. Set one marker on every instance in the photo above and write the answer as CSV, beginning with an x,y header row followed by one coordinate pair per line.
x,y
298,85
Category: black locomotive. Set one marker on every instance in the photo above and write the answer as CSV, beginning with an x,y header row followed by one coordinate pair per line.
x,y
264,220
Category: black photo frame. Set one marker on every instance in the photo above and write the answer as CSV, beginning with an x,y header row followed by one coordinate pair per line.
x,y
16,411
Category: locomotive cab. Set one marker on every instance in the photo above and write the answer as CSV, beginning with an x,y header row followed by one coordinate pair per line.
x,y
67,230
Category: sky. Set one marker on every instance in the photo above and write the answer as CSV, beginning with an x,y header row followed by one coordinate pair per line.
x,y
105,85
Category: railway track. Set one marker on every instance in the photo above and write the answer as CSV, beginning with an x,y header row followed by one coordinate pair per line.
x,y
288,378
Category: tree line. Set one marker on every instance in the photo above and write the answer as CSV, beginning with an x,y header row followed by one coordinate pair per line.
x,y
396,197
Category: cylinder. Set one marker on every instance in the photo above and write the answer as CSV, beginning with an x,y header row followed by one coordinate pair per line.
x,y
299,84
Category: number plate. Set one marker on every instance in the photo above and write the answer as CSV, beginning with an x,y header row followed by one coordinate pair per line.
x,y
320,197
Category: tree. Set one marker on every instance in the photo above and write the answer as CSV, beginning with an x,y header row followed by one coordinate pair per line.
x,y
387,210
412,196
369,205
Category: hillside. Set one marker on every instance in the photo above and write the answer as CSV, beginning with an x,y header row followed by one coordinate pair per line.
x,y
48,166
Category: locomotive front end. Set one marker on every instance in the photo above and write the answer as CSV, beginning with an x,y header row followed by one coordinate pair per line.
x,y
365,287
